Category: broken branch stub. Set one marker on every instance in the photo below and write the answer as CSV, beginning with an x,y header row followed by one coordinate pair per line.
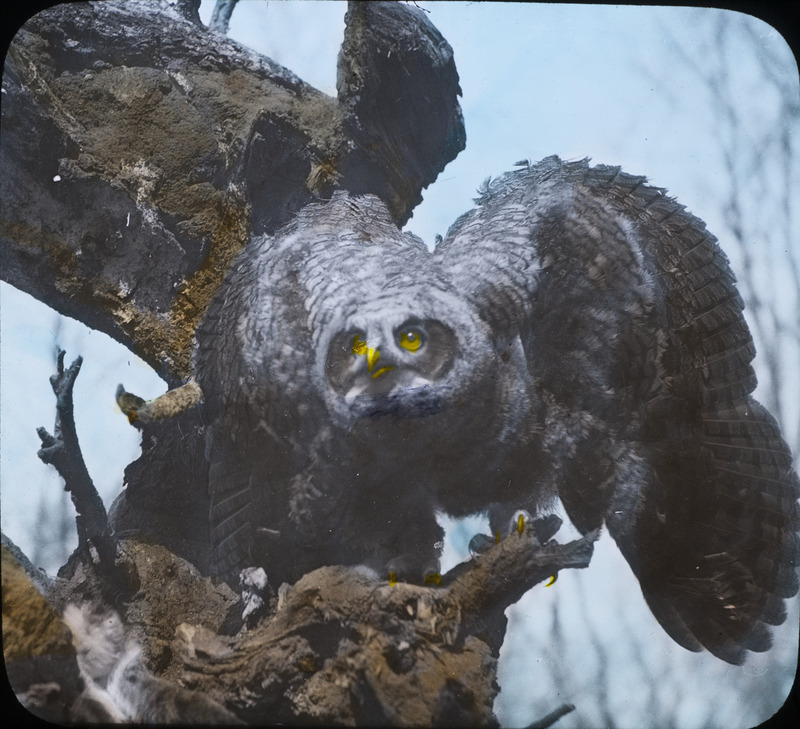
x,y
169,405
398,87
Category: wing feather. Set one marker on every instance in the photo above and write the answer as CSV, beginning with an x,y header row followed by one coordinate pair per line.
x,y
632,324
231,526
722,509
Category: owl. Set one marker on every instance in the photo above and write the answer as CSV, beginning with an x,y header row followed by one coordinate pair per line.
x,y
576,337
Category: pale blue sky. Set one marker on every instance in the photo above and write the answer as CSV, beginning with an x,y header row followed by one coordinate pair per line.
x,y
537,79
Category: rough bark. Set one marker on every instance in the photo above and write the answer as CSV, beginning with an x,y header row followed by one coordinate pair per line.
x,y
337,648
160,146
38,653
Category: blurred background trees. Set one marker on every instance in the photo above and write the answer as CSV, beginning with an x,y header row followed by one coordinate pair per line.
x,y
756,138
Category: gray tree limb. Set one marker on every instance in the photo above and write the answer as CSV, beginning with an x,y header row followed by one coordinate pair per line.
x,y
221,17
188,143
62,450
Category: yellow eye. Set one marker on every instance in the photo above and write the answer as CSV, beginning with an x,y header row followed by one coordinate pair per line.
x,y
410,339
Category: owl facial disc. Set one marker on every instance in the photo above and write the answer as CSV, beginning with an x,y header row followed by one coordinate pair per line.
x,y
378,365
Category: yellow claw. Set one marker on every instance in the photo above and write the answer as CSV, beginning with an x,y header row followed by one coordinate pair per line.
x,y
521,524
433,578
552,580
393,578
381,371
497,537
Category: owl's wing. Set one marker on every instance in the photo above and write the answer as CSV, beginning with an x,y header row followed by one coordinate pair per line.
x,y
229,477
252,364
269,441
634,336
714,541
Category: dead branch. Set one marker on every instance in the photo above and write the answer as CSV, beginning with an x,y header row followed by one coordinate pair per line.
x,y
62,451
552,717
221,17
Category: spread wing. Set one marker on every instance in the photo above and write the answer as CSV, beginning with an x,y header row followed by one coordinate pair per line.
x,y
634,336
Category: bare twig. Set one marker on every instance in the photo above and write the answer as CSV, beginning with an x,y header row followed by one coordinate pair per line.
x,y
62,451
221,17
552,717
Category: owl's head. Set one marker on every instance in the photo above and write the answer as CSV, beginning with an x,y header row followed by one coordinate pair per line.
x,y
391,338
409,353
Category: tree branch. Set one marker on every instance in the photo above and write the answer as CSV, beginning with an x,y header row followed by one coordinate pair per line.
x,y
552,717
110,87
62,451
221,17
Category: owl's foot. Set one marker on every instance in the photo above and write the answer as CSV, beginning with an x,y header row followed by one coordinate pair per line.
x,y
408,568
543,529
481,543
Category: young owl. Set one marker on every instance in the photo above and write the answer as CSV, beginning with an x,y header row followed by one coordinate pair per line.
x,y
578,335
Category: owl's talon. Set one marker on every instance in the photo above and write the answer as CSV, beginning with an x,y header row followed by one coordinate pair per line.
x,y
433,578
520,521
